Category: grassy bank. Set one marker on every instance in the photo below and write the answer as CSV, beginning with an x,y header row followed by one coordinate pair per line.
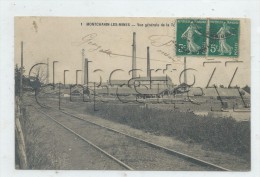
x,y
41,142
222,134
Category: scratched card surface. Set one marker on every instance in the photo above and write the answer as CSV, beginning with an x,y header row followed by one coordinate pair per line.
x,y
132,93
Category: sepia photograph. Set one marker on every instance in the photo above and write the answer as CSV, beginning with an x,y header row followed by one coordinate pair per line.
x,y
129,93
121,88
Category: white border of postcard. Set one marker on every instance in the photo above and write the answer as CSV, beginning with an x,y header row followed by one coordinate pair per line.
x,y
115,8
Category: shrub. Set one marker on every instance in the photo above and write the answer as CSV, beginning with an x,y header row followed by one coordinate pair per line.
x,y
223,134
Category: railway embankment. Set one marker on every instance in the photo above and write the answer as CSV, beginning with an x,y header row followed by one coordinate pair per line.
x,y
48,146
20,147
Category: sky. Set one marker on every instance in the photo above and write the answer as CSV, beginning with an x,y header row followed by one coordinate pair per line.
x,y
108,45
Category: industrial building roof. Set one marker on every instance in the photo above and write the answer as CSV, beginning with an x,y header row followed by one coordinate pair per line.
x,y
129,90
224,92
131,81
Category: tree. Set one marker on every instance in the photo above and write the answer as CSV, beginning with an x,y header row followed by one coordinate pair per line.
x,y
38,75
17,80
247,89
26,81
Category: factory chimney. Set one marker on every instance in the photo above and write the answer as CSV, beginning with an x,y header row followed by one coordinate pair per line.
x,y
148,63
134,57
86,71
83,65
47,81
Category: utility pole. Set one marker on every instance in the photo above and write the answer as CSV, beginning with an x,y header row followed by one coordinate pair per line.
x,y
148,67
77,76
148,63
47,81
54,74
134,56
59,96
83,64
86,71
21,73
64,77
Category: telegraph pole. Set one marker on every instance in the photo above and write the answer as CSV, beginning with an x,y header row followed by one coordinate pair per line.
x,y
59,96
83,64
86,71
77,76
21,73
64,77
134,56
47,81
53,74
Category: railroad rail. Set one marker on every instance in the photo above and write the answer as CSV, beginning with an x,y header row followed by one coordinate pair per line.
x,y
86,140
171,151
184,156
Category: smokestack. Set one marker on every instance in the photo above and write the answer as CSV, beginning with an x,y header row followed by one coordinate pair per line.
x,y
148,63
47,81
83,65
185,75
86,72
134,57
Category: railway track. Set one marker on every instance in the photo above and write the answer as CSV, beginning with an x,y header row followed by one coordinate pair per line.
x,y
123,148
84,139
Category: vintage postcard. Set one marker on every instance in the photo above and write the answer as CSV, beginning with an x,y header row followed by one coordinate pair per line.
x,y
153,94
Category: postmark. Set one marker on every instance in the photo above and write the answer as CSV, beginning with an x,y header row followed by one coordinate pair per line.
x,y
224,38
191,37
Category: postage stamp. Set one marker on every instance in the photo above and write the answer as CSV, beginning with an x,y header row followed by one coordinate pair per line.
x,y
223,38
191,37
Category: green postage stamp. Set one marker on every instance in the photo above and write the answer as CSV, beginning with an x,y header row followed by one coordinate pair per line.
x,y
191,37
223,38
220,38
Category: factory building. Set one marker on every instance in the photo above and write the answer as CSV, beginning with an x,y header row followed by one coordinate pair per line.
x,y
148,86
149,82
